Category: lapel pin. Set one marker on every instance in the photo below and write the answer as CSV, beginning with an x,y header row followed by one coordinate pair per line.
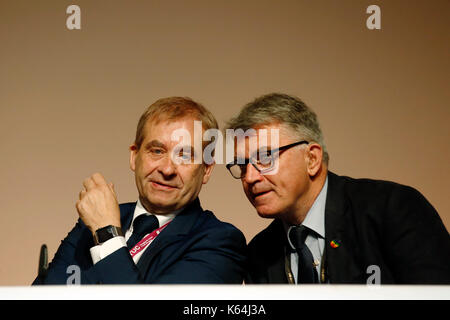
x,y
335,243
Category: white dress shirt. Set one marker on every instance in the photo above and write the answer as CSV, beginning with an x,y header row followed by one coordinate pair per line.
x,y
106,248
314,220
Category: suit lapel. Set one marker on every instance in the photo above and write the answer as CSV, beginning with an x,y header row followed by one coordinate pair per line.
x,y
126,215
275,253
342,262
176,231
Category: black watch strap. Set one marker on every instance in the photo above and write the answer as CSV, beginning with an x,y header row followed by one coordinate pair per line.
x,y
106,233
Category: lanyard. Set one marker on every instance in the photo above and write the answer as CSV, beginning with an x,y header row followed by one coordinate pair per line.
x,y
323,277
145,241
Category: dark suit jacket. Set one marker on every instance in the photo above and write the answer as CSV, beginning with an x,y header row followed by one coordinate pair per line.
x,y
194,248
377,223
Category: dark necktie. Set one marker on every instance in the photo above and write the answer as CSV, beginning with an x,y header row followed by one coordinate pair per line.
x,y
142,225
307,272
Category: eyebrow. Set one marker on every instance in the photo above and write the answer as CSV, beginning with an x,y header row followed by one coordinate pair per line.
x,y
159,144
154,143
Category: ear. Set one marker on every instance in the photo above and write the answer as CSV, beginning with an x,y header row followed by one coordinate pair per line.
x,y
314,158
133,153
208,171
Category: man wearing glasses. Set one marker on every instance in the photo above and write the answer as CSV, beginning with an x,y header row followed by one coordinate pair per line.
x,y
328,228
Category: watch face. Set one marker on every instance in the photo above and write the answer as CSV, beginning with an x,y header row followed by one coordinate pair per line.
x,y
106,233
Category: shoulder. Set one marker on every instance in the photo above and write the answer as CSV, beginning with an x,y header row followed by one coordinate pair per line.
x,y
371,190
210,224
384,203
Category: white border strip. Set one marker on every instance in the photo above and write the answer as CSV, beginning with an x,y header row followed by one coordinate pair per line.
x,y
227,292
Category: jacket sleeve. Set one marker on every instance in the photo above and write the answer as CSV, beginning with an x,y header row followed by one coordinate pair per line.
x,y
71,264
417,242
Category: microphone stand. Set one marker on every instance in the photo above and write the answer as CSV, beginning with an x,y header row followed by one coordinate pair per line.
x,y
43,264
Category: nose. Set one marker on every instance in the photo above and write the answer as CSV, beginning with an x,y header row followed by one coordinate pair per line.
x,y
252,175
167,167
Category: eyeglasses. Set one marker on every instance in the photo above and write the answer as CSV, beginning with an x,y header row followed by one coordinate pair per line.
x,y
264,162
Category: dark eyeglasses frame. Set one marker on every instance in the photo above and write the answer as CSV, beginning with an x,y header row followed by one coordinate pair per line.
x,y
247,160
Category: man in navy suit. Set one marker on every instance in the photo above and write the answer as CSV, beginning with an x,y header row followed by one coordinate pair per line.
x,y
328,228
166,236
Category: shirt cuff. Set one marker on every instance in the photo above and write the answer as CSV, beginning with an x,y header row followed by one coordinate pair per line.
x,y
106,248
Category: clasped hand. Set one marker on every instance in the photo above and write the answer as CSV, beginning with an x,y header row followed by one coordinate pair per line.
x,y
97,205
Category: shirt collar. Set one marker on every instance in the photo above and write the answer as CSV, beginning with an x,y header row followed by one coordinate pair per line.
x,y
315,218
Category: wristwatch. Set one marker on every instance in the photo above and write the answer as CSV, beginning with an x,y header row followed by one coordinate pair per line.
x,y
103,234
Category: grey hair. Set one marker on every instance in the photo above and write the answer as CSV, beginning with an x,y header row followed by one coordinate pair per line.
x,y
283,109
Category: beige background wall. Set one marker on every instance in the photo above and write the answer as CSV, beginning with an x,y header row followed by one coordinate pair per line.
x,y
70,100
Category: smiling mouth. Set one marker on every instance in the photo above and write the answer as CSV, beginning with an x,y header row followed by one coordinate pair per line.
x,y
261,194
162,186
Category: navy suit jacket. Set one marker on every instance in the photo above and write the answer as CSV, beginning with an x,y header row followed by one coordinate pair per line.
x,y
194,248
377,223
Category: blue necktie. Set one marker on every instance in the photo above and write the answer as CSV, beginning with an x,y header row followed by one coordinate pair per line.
x,y
142,225
307,272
